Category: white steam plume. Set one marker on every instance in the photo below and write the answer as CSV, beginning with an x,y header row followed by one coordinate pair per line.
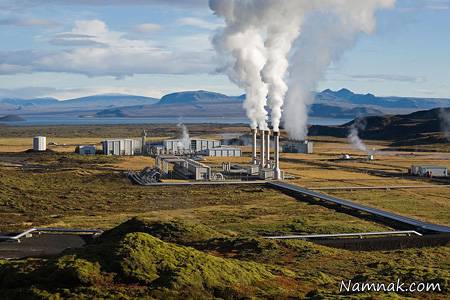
x,y
279,23
244,44
444,116
185,140
353,137
329,31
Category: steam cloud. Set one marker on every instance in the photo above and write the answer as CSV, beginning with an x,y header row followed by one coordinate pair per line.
x,y
353,136
269,40
444,116
184,139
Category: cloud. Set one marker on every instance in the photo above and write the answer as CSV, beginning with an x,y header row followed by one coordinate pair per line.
x,y
389,77
95,50
147,28
8,69
27,22
412,6
198,23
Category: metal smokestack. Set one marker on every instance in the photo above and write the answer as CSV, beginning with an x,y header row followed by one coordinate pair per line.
x,y
276,167
262,154
267,148
254,156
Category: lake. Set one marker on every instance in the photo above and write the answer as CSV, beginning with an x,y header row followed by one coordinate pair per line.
x,y
43,120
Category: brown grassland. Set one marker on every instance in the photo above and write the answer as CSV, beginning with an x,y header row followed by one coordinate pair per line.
x,y
204,242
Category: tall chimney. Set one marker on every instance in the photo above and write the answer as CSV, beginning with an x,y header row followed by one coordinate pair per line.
x,y
262,154
268,148
276,167
254,156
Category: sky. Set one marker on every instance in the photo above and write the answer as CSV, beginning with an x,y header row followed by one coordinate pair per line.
x,y
73,48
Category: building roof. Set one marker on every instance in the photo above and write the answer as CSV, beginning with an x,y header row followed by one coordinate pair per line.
x,y
429,167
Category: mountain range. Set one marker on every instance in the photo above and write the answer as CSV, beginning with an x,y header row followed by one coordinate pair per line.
x,y
420,127
337,104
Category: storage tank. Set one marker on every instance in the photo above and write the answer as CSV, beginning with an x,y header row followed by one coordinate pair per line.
x,y
39,143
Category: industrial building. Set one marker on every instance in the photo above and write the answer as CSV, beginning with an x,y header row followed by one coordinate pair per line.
x,y
181,146
86,150
39,143
203,144
176,147
429,171
184,167
222,151
305,147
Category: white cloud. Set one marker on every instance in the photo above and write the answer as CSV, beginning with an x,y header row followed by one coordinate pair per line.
x,y
95,50
198,23
27,22
389,77
147,28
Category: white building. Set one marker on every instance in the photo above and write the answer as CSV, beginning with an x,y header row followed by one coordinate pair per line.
x,y
222,151
86,150
203,144
118,147
39,143
305,147
431,171
176,146
194,145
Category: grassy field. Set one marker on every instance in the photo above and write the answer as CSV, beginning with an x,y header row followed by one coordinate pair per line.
x,y
207,241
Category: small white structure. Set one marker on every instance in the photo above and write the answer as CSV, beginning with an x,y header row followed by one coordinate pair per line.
x,y
305,147
222,151
194,145
39,143
86,150
202,144
429,171
119,147
176,146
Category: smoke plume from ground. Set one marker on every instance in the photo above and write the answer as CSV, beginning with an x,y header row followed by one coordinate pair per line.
x,y
260,36
184,138
353,136
444,116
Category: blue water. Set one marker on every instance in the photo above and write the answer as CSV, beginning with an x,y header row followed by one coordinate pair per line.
x,y
43,120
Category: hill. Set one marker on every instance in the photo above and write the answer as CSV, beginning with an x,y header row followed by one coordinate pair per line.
x,y
11,118
210,104
421,127
51,105
330,104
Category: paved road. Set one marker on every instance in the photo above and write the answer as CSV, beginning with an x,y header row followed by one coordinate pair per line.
x,y
383,187
40,245
416,224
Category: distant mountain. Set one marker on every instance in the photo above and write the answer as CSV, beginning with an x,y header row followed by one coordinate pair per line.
x,y
27,102
329,111
337,104
110,100
197,97
420,127
209,104
84,104
11,118
345,96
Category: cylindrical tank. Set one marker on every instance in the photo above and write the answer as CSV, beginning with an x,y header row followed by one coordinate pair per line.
x,y
39,143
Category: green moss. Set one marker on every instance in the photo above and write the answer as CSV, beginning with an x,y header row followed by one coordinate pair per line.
x,y
146,259
174,231
76,271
